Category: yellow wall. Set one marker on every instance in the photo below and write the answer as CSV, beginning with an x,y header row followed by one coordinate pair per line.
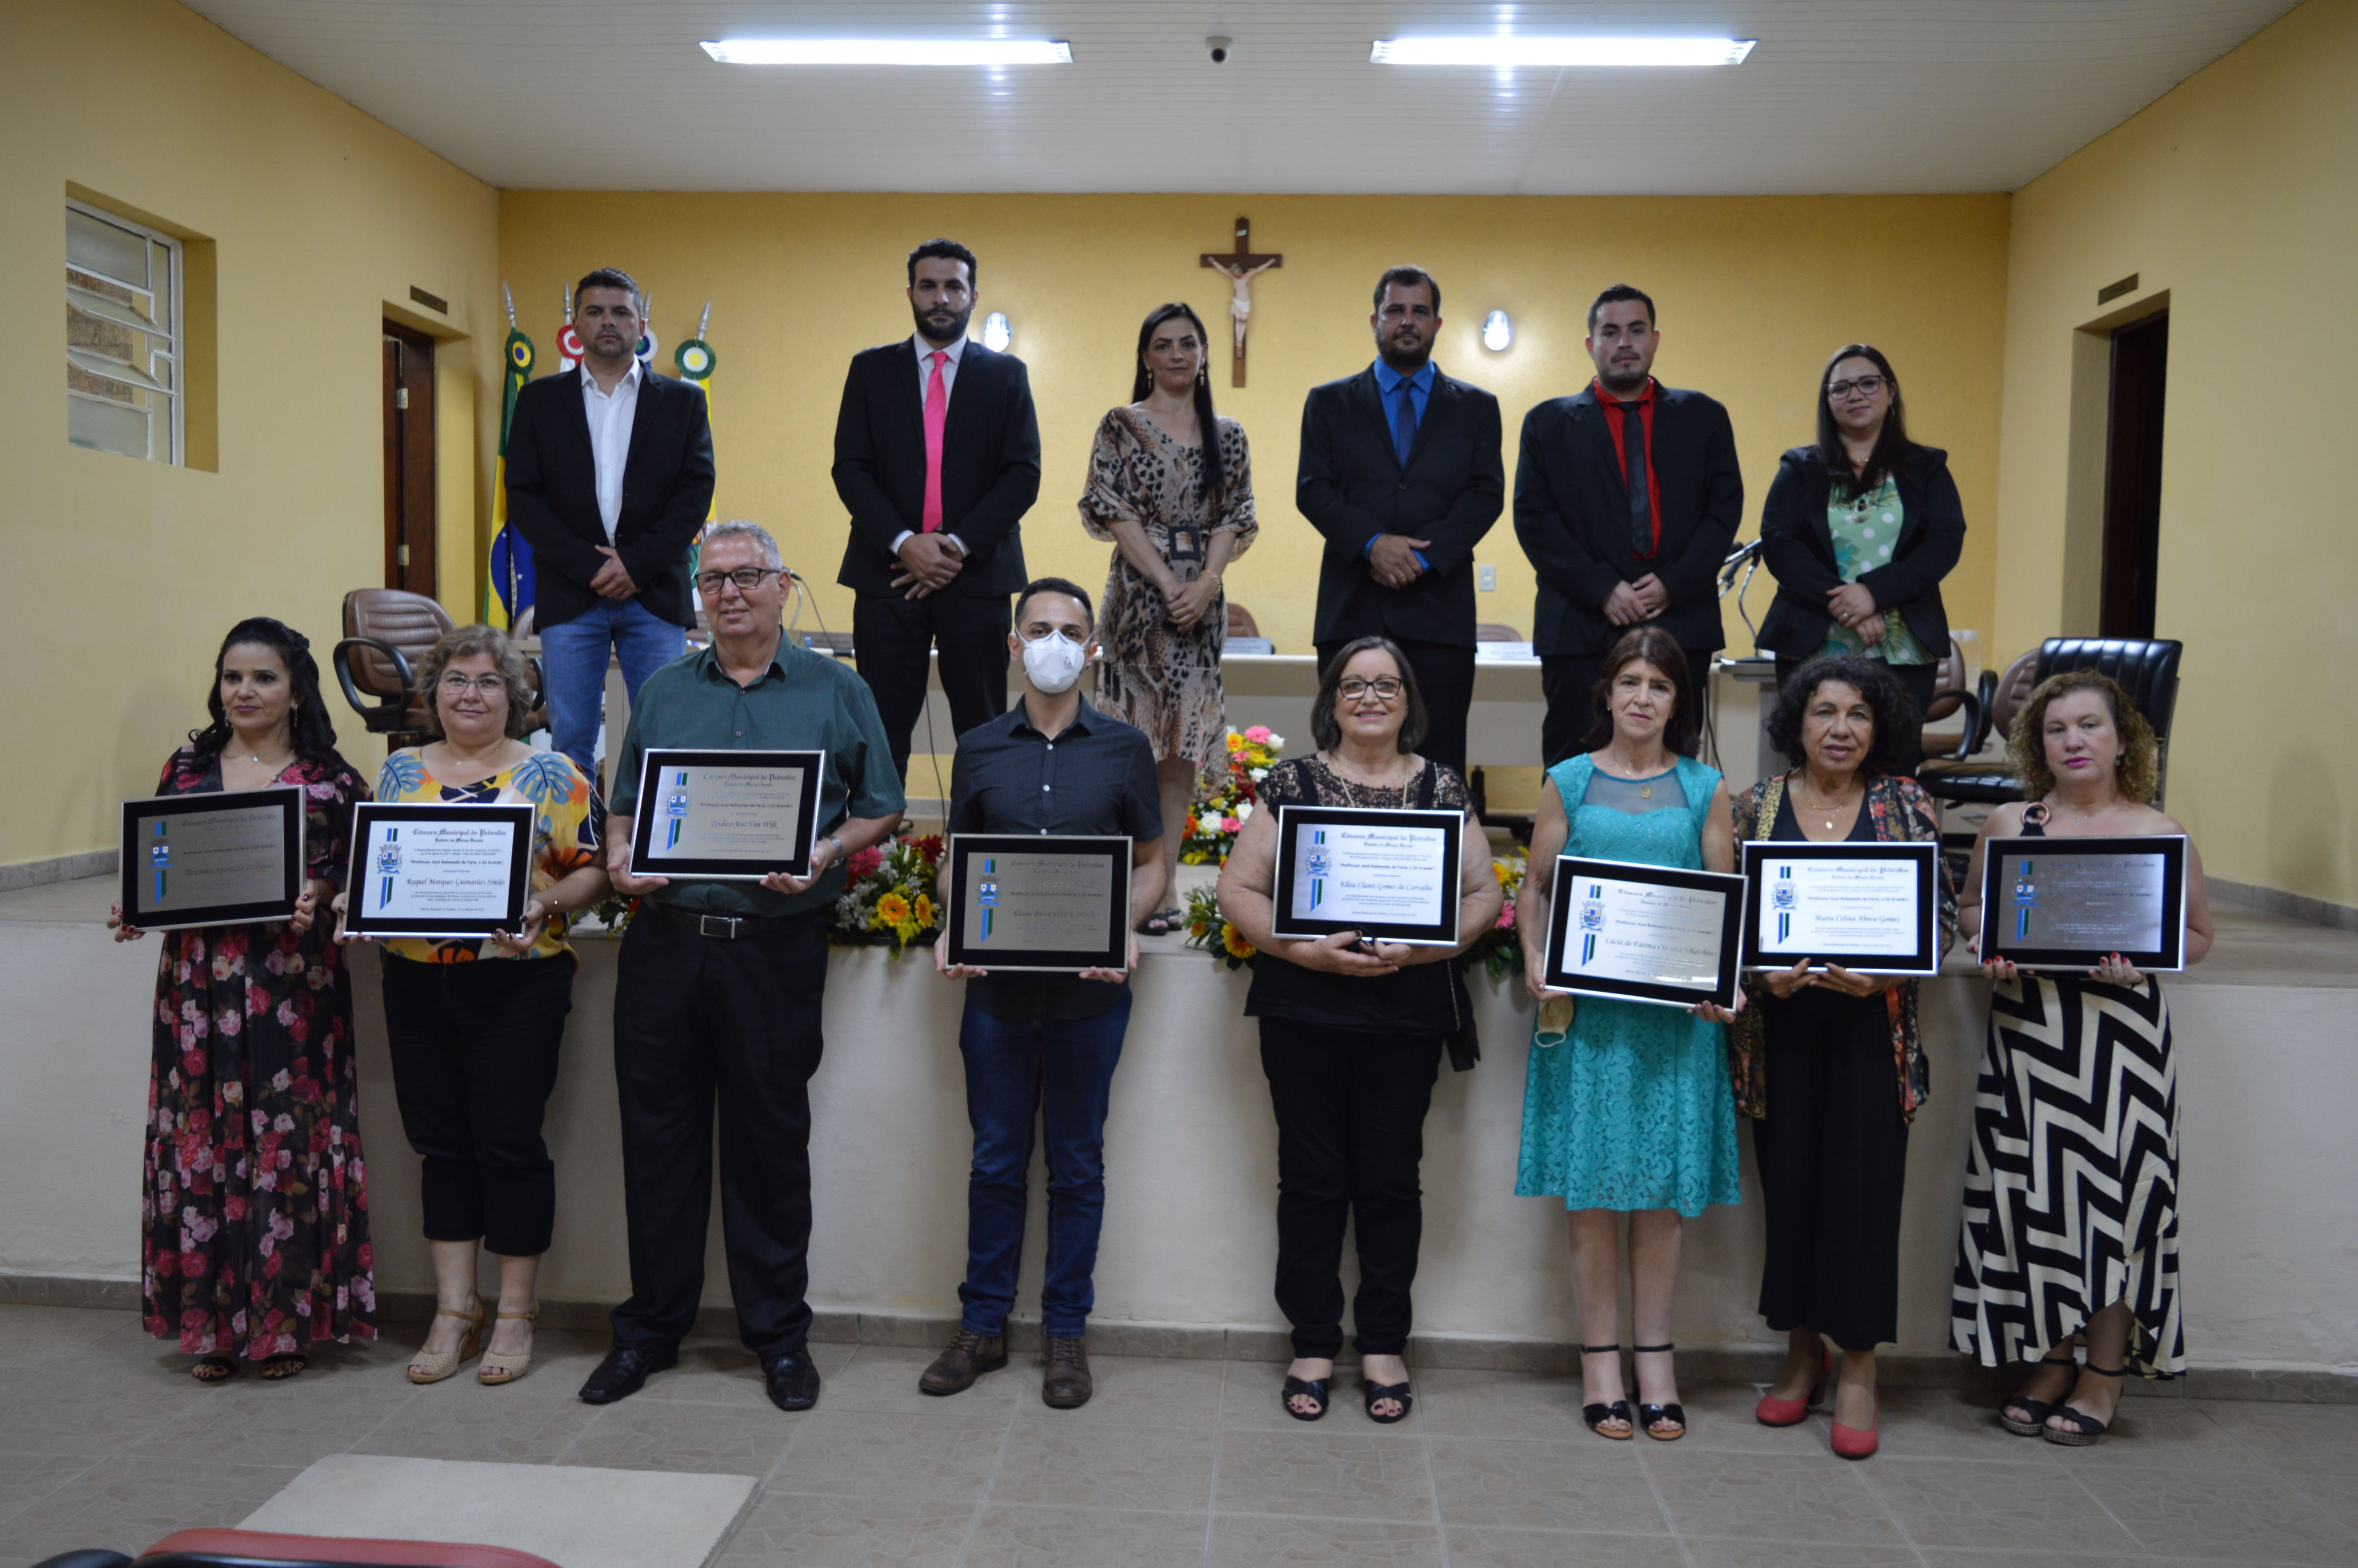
x,y
121,574
1754,294
2233,196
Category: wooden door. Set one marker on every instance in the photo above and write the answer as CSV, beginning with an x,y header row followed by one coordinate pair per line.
x,y
2133,478
408,460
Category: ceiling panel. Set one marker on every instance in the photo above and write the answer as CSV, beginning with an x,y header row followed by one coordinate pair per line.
x,y
1841,95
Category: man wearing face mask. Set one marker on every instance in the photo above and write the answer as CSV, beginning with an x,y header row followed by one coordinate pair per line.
x,y
1627,500
1043,1044
938,459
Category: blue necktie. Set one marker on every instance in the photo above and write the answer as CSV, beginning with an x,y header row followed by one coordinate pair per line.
x,y
1633,467
1404,423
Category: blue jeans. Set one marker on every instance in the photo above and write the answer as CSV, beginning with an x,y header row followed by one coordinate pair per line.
x,y
1064,1070
573,658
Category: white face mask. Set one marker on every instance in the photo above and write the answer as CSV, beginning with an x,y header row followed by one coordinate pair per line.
x,y
1054,661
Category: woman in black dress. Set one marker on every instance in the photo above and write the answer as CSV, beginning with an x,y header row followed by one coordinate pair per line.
x,y
1830,1067
253,1206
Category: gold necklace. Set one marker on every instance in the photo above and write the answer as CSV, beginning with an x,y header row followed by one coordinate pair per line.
x,y
1825,811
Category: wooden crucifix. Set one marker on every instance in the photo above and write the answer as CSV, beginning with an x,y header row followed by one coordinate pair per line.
x,y
1240,266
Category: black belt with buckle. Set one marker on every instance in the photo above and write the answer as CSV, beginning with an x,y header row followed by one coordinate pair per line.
x,y
721,927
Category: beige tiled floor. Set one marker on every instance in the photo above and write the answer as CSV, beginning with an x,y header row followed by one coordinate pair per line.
x,y
105,1442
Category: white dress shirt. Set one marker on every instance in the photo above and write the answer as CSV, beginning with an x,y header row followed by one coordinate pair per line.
x,y
611,413
956,351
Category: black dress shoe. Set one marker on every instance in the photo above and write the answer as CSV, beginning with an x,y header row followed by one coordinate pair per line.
x,y
792,1379
624,1372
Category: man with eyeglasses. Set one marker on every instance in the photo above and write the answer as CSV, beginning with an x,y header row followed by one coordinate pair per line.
x,y
717,1001
609,479
1627,500
1044,1046
1401,470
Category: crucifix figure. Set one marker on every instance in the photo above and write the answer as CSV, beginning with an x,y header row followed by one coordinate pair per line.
x,y
1240,266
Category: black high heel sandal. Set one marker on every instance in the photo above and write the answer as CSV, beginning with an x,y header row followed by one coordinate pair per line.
x,y
1676,1414
1598,1415
2040,1409
1396,1392
2085,1430
1307,1387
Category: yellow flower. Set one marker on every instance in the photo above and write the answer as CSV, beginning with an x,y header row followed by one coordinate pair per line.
x,y
1233,940
892,910
1235,742
924,912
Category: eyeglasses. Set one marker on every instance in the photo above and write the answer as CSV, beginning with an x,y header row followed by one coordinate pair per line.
x,y
456,684
1383,688
747,578
1870,385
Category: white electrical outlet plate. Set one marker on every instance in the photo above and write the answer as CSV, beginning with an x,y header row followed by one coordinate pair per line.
x,y
1487,579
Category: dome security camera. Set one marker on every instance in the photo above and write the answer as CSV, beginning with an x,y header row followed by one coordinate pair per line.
x,y
1218,50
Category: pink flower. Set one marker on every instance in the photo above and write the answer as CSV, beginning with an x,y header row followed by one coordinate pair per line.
x,y
1258,734
1230,825
1506,916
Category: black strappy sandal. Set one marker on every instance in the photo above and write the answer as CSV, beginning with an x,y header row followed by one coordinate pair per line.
x,y
2085,1430
1598,1415
1676,1414
278,1369
1398,1391
1304,1388
2040,1409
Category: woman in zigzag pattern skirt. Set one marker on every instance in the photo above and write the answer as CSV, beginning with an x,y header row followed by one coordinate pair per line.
x,y
2071,1201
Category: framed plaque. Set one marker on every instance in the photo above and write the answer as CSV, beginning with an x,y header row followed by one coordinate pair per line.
x,y
1645,932
222,858
2067,904
1391,876
1023,901
1871,907
426,870
731,816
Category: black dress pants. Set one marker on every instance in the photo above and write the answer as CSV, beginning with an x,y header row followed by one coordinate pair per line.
x,y
1444,680
1350,1134
1832,1152
474,1049
1569,682
1918,681
701,1022
889,636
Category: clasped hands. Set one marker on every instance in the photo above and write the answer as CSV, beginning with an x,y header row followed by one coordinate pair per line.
x,y
928,561
1392,559
1632,603
1189,602
1854,607
613,579
1341,953
1783,983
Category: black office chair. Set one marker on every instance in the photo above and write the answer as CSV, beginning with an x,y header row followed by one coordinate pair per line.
x,y
2146,670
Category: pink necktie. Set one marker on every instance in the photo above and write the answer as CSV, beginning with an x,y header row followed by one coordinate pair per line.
x,y
937,413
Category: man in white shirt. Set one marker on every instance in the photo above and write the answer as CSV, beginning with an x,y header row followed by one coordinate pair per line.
x,y
610,479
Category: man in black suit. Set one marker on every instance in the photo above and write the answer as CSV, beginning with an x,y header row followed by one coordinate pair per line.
x,y
937,456
1401,469
610,480
1612,553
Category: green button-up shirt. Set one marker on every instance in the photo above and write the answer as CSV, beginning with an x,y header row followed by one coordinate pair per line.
x,y
803,702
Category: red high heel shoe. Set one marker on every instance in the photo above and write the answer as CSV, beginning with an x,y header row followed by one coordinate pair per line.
x,y
1774,1411
1857,1443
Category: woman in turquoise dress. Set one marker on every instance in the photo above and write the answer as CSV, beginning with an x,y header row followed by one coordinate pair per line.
x,y
1627,1105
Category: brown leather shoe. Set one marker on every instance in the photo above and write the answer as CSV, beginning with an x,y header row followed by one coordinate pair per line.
x,y
969,1355
1068,1384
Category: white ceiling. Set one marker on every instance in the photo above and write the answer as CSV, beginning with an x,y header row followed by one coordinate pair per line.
x,y
1841,95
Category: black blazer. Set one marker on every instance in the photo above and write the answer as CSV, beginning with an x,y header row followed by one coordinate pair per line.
x,y
553,494
991,465
1572,513
1800,550
1352,486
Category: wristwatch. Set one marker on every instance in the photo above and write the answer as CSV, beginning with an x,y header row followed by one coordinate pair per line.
x,y
836,859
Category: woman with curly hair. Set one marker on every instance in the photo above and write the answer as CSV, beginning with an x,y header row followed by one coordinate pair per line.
x,y
1816,1056
473,1025
2071,1208
255,1206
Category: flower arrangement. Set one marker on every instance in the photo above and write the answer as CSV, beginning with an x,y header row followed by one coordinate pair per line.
x,y
1224,804
888,901
1208,929
1501,950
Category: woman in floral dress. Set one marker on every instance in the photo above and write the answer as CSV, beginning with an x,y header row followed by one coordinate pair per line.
x,y
254,1207
1171,485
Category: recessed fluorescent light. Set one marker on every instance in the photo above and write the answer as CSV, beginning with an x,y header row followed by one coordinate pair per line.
x,y
890,51
1507,50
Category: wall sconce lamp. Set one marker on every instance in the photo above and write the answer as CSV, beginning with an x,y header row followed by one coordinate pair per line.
x,y
1496,331
995,333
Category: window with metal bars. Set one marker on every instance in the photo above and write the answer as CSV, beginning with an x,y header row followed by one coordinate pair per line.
x,y
123,337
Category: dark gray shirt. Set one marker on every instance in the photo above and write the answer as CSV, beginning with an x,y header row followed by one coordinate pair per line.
x,y
1096,776
803,702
